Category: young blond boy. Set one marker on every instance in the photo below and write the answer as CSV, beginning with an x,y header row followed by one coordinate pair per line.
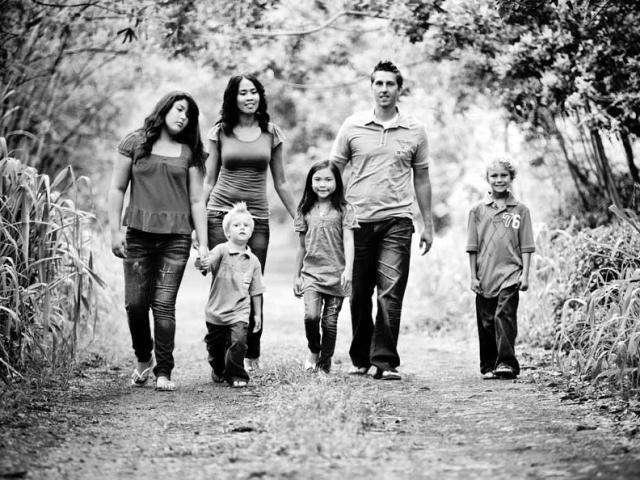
x,y
500,244
236,287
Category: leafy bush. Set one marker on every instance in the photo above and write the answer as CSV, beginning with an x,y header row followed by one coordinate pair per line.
x,y
46,268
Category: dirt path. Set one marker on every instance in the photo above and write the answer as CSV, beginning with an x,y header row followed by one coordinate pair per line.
x,y
442,421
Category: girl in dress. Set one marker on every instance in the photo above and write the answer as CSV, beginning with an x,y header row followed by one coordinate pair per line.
x,y
324,260
163,164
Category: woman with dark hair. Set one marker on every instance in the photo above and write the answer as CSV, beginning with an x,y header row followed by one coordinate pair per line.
x,y
244,144
163,164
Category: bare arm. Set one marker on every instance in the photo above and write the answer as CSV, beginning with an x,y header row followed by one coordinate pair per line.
x,y
297,280
422,186
198,212
212,165
473,267
524,278
256,303
347,242
119,183
280,181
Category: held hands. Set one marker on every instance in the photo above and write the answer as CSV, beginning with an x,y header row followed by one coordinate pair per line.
x,y
297,286
203,263
475,286
119,244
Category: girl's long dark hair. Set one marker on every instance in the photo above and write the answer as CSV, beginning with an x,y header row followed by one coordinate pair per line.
x,y
309,197
229,114
190,135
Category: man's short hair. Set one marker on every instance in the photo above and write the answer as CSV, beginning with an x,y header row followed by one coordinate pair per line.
x,y
387,66
239,208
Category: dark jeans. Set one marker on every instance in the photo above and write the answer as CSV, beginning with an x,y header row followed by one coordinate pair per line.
x,y
382,253
497,329
227,346
316,316
153,271
258,243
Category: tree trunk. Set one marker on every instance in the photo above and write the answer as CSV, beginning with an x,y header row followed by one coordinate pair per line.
x,y
628,150
605,168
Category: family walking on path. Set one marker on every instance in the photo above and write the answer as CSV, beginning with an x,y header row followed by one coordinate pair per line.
x,y
353,240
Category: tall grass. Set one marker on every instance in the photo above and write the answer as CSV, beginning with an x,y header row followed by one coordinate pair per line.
x,y
47,282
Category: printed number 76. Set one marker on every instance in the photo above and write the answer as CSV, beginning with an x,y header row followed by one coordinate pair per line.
x,y
511,220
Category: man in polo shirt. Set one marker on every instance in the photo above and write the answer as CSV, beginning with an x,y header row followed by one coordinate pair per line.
x,y
384,148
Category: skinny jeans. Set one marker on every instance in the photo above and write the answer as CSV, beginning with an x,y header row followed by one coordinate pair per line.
x,y
321,312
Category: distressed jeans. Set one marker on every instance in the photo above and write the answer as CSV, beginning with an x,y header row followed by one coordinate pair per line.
x,y
153,271
227,346
382,254
497,329
258,243
321,311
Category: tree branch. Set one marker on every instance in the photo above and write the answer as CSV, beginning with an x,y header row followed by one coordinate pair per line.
x,y
291,33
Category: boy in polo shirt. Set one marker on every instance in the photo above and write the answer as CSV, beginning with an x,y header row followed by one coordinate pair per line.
x,y
235,288
499,243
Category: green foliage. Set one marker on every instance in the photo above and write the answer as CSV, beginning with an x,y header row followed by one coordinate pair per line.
x,y
47,282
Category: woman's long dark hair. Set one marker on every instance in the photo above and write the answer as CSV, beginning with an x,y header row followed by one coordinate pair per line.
x,y
309,197
229,114
190,135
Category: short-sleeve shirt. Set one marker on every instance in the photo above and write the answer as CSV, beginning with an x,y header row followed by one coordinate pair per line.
x,y
323,261
382,160
236,278
499,236
159,192
243,170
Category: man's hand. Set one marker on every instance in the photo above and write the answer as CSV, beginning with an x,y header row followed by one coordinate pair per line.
x,y
475,286
297,286
426,240
523,284
258,323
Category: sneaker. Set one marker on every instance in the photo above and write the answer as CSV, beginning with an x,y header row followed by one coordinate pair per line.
x,y
311,362
387,374
489,375
358,370
504,371
216,378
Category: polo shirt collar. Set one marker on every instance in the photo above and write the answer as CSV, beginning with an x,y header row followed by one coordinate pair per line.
x,y
233,249
510,202
401,121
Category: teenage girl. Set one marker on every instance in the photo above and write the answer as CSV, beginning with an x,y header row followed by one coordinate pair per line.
x,y
163,164
324,260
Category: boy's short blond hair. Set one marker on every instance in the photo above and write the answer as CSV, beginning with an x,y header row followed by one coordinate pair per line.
x,y
239,208
500,163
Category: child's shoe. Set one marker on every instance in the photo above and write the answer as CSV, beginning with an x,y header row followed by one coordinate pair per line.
x,y
504,371
311,362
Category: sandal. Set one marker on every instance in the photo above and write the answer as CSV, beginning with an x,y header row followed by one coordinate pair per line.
x,y
163,384
139,379
238,384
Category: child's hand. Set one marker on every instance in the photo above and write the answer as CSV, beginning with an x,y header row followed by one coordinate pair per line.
x,y
297,286
475,286
345,280
523,284
258,323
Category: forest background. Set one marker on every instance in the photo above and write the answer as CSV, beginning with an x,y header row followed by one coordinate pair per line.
x,y
552,86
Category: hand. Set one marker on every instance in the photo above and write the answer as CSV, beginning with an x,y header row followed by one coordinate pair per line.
x,y
426,240
345,280
475,286
258,323
297,286
523,284
119,244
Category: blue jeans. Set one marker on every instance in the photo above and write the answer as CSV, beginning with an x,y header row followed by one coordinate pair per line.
x,y
316,316
153,271
258,243
227,346
497,329
382,254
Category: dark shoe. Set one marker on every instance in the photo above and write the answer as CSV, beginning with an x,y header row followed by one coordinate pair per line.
x,y
387,374
504,371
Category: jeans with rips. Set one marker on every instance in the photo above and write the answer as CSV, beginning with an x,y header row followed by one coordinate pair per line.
x,y
227,346
497,329
382,254
258,243
153,270
321,311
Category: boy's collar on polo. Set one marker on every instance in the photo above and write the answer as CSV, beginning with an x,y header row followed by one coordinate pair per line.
x,y
510,201
235,249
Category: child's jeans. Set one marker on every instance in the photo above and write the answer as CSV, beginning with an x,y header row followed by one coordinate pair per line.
x,y
497,329
153,271
227,346
316,316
